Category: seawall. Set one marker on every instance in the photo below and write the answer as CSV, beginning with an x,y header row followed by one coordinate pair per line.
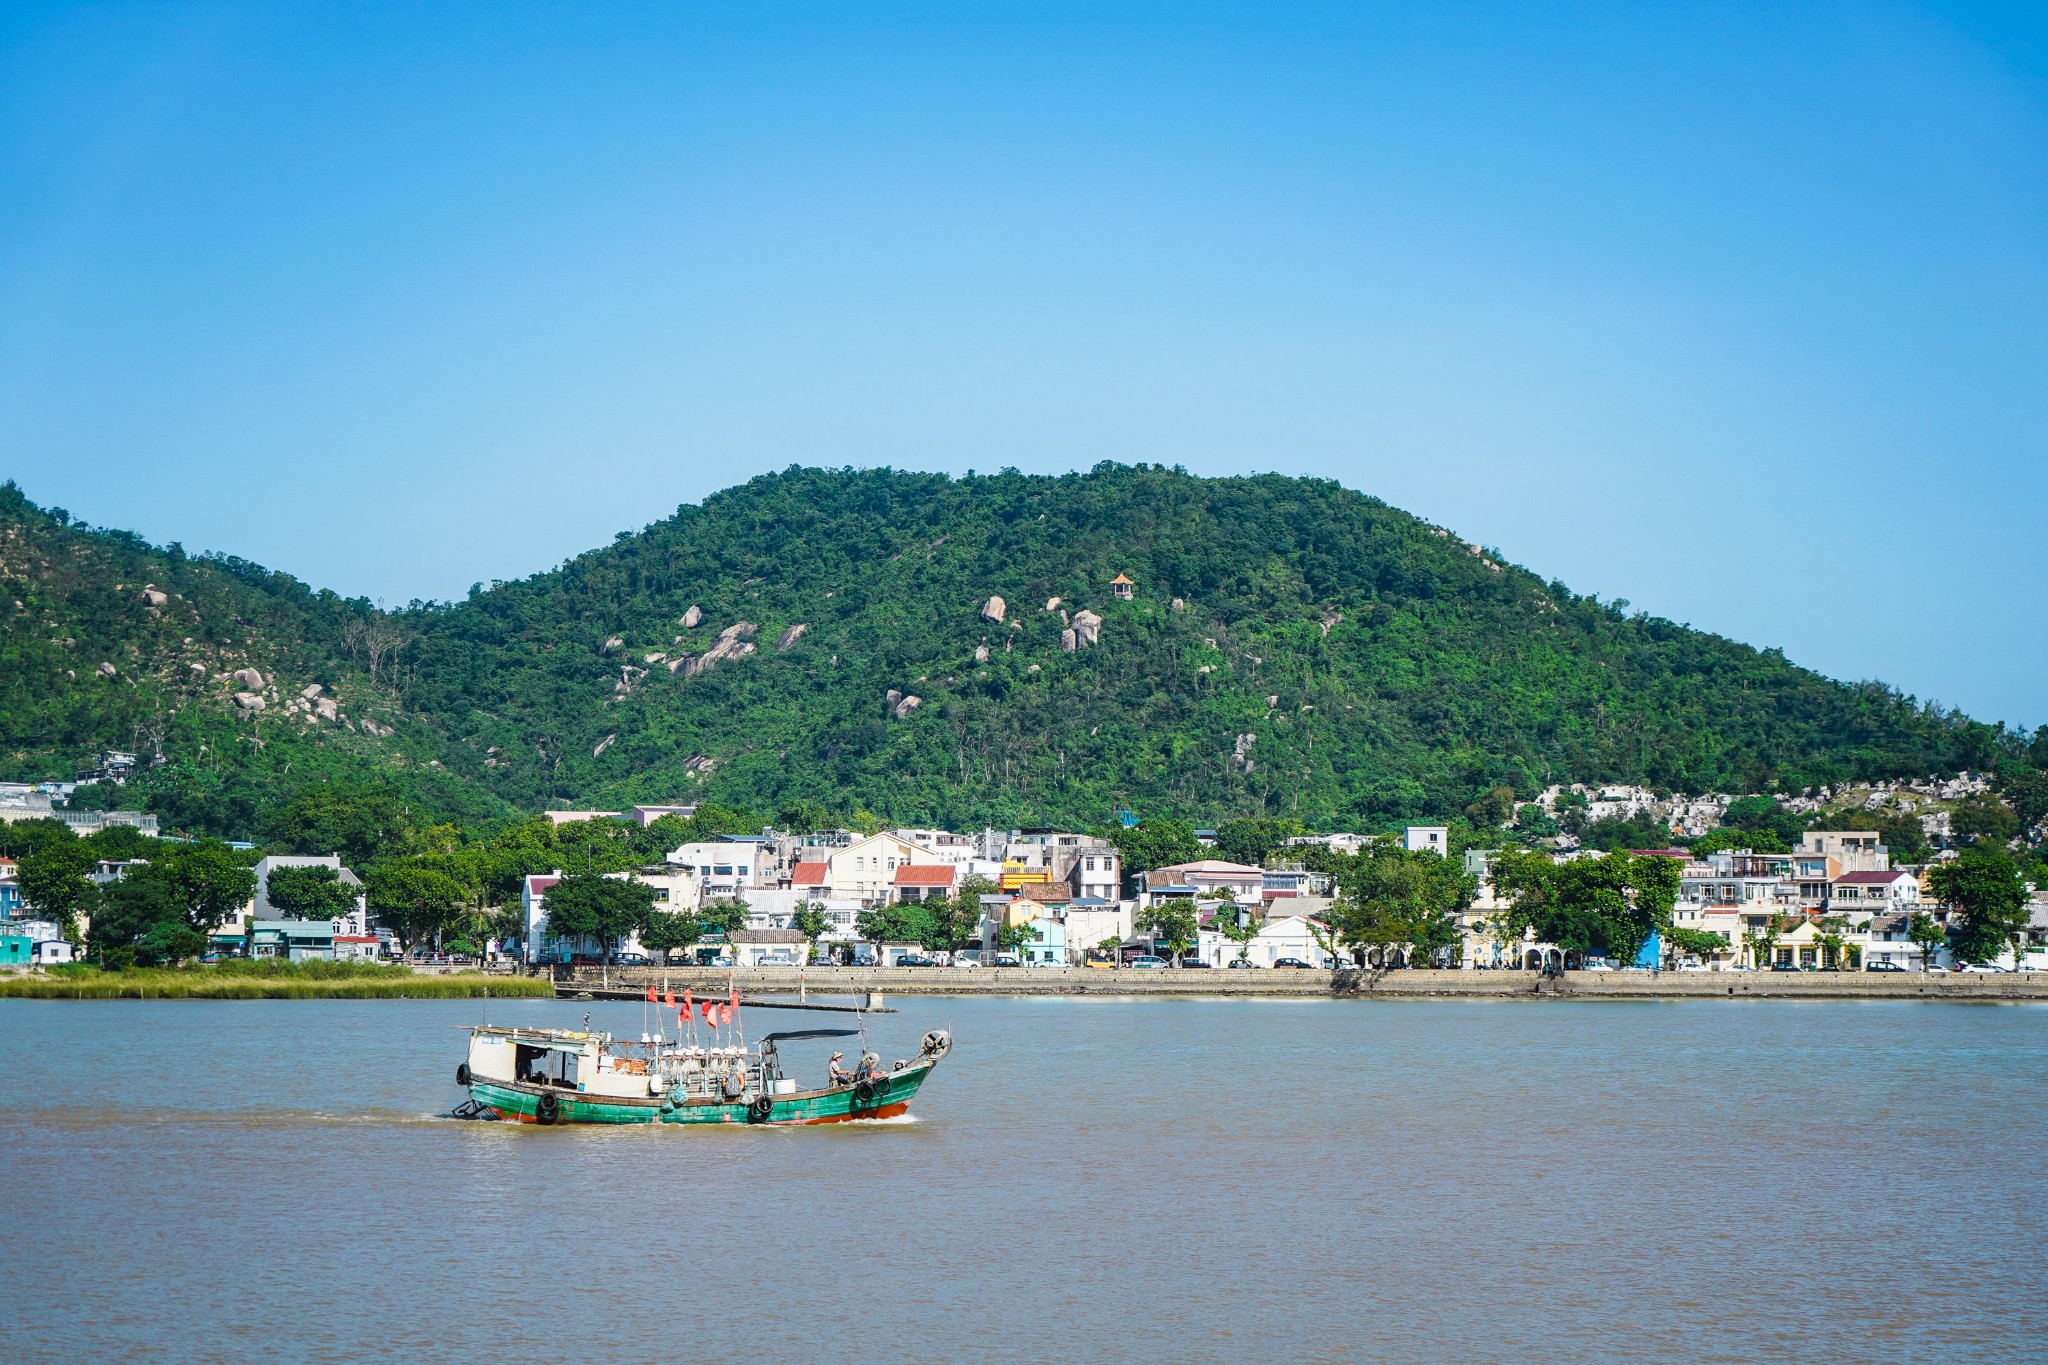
x,y
887,981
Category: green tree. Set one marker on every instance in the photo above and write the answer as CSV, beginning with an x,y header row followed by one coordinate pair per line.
x,y
1012,938
25,836
1984,817
1173,923
315,892
56,879
126,912
1251,841
1389,896
1986,899
1155,843
1240,928
169,943
809,921
1761,839
413,900
1926,934
1759,813
1681,942
1495,807
1609,905
667,933
582,905
726,915
2027,791
206,880
361,822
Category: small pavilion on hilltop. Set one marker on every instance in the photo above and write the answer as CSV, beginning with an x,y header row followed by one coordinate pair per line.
x,y
1122,587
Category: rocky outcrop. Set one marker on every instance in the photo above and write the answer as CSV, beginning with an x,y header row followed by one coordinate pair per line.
x,y
981,654
992,610
151,597
792,635
310,691
906,706
1087,627
198,671
613,643
1052,604
250,679
326,709
602,745
1067,640
732,643
691,617
250,701
106,670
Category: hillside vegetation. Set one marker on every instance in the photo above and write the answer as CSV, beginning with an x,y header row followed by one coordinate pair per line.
x,y
1290,648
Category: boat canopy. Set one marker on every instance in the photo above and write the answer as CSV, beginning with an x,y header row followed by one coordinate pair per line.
x,y
810,1033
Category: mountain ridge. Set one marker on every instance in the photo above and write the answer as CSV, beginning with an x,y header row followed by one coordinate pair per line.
x,y
1290,647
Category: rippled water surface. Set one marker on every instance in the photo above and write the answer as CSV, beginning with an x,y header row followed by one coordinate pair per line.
x,y
1084,1179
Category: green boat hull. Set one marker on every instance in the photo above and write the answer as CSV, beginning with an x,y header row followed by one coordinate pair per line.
x,y
524,1104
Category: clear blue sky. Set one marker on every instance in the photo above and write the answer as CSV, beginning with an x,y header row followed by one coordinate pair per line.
x,y
1738,311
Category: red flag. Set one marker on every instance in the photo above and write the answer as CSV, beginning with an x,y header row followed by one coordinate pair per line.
x,y
734,1003
650,993
724,1015
710,1009
688,1008
682,1018
671,993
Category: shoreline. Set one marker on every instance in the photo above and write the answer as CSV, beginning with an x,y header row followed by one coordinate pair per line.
x,y
203,984
1345,984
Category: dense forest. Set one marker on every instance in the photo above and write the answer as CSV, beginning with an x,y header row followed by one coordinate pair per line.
x,y
1289,648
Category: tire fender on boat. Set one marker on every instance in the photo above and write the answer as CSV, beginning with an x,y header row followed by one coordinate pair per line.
x,y
863,1094
547,1109
462,1073
760,1109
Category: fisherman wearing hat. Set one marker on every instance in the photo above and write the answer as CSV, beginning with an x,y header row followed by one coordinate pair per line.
x,y
838,1073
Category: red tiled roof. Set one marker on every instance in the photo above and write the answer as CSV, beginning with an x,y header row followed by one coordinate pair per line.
x,y
808,874
926,875
1044,894
1869,878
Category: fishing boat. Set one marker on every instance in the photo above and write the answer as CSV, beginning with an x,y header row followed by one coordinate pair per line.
x,y
550,1076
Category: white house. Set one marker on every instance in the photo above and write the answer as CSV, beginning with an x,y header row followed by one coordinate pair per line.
x,y
1282,936
356,922
1427,839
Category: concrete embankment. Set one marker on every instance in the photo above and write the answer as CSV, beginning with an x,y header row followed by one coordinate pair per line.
x,y
887,981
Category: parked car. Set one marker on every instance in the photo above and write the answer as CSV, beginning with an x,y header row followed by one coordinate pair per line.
x,y
1693,964
1147,962
1187,962
1292,962
1882,964
1240,962
1597,964
630,960
1784,966
915,960
1006,959
1936,969
1981,968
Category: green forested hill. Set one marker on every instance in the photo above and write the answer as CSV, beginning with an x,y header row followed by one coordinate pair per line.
x,y
1330,657
107,641
1291,648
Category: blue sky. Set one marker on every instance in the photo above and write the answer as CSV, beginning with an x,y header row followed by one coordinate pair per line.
x,y
1739,312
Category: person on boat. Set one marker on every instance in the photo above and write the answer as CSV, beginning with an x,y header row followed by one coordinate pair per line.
x,y
838,1074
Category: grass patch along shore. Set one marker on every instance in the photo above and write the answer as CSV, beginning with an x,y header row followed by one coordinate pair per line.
x,y
240,980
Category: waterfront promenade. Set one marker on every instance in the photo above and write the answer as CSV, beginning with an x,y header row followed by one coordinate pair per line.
x,y
887,981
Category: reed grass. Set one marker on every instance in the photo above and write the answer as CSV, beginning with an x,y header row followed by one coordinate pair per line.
x,y
266,981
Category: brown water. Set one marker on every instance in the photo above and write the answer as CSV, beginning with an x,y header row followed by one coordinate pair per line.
x,y
1166,1180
